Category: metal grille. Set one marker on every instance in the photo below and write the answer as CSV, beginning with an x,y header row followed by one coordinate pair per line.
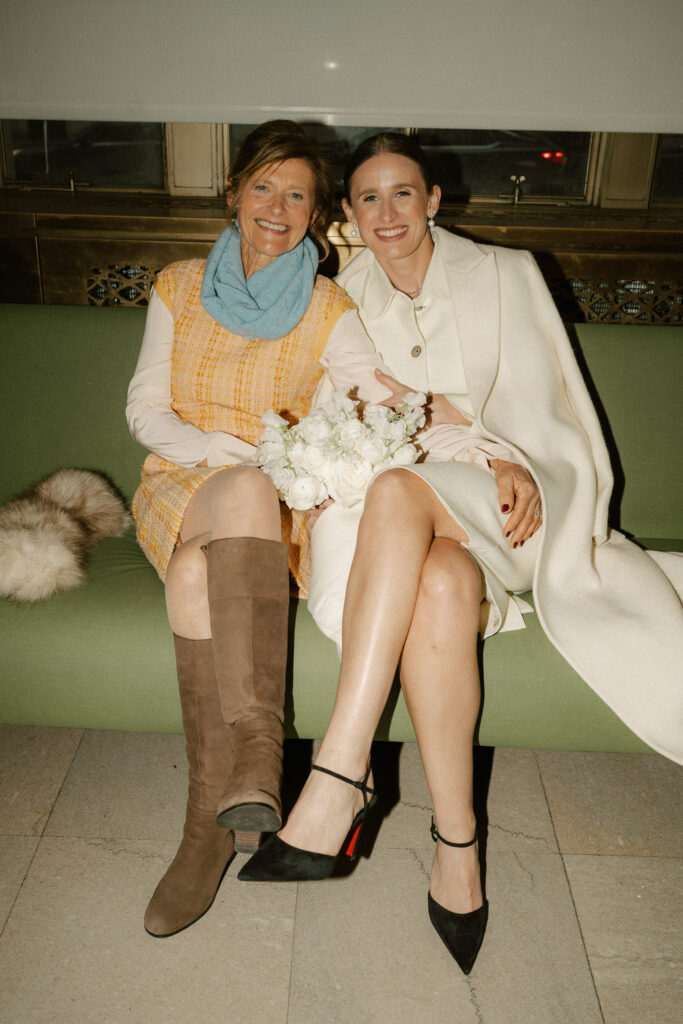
x,y
623,301
120,284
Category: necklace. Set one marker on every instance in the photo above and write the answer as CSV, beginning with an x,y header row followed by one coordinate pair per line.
x,y
414,294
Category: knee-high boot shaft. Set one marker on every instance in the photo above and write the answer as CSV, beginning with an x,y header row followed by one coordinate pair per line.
x,y
248,589
189,886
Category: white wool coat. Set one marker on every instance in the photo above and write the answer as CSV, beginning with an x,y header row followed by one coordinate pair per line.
x,y
605,604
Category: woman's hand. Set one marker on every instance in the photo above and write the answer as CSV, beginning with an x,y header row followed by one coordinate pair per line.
x,y
314,514
438,408
518,495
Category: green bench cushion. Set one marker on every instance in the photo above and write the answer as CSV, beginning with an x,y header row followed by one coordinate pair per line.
x,y
101,656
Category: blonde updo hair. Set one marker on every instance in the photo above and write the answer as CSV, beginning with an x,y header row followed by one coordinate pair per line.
x,y
272,143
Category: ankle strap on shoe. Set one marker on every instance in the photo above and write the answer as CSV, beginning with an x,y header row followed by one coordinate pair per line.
x,y
361,785
435,835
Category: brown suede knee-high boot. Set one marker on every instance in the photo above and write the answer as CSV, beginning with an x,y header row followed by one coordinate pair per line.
x,y
188,888
248,587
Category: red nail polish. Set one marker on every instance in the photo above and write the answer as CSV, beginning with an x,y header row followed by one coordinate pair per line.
x,y
505,508
516,544
508,534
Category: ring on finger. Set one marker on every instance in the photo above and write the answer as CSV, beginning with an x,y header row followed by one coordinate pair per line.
x,y
538,513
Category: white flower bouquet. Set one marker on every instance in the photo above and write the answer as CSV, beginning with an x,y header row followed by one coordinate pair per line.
x,y
335,453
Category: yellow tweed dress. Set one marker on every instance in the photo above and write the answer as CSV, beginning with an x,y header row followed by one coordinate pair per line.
x,y
221,381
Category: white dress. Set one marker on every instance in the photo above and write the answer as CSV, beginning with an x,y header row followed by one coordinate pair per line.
x,y
411,336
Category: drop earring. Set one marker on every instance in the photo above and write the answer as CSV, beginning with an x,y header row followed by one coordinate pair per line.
x,y
430,222
354,231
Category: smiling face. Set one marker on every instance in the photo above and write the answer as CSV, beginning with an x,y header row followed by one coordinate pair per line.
x,y
390,204
275,210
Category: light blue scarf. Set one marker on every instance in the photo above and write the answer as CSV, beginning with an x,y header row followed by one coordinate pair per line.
x,y
274,299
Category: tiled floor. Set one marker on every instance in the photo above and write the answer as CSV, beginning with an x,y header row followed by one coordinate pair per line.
x,y
584,876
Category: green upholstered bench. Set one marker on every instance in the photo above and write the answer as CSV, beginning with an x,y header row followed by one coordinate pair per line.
x,y
101,655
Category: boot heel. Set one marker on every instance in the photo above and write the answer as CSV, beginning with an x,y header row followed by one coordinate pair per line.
x,y
246,842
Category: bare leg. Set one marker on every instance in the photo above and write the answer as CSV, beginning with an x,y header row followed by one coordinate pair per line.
x,y
401,518
440,682
239,502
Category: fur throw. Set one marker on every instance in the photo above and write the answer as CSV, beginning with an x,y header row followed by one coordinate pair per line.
x,y
47,532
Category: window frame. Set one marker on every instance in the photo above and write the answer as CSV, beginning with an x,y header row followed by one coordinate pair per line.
x,y
619,173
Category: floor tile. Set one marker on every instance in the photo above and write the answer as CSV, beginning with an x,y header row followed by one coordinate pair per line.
x,y
518,815
33,763
631,913
509,798
364,949
629,804
124,785
16,854
74,948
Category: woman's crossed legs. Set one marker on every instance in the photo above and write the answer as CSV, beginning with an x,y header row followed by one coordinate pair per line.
x,y
414,596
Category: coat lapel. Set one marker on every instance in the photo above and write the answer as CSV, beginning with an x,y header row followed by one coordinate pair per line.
x,y
475,292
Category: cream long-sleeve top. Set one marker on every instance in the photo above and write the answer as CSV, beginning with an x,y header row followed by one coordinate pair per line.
x,y
349,359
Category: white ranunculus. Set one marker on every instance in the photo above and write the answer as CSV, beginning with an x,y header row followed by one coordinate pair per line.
x,y
303,492
348,479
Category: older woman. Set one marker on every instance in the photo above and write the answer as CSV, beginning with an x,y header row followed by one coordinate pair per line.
x,y
514,491
226,339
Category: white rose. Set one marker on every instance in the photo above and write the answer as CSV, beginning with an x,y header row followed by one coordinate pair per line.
x,y
348,432
315,461
313,429
348,478
372,449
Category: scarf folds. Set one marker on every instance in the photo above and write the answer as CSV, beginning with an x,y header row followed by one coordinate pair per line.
x,y
274,299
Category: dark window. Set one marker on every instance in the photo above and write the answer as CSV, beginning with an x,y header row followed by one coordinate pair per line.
x,y
667,186
471,164
118,154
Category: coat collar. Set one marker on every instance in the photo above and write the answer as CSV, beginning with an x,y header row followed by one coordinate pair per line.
x,y
472,275
379,293
471,272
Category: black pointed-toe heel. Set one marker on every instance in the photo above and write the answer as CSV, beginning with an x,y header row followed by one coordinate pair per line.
x,y
277,861
461,934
